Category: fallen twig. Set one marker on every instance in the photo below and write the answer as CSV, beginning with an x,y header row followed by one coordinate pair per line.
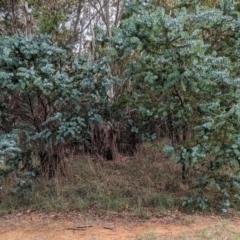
x,y
127,228
109,228
79,227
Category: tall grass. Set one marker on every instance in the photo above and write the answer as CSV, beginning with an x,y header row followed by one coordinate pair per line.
x,y
146,184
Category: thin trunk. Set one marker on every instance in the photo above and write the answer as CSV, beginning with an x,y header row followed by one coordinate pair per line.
x,y
14,24
118,13
74,34
28,22
92,45
107,17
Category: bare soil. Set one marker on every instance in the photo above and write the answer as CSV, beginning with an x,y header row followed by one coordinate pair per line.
x,y
73,226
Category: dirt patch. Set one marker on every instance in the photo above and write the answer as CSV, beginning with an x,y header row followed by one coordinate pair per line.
x,y
73,226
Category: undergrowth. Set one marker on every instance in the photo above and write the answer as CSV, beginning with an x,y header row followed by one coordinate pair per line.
x,y
144,185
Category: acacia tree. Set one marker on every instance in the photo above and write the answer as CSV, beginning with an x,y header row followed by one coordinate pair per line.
x,y
184,69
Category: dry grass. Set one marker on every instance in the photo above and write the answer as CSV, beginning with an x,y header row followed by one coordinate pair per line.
x,y
220,229
149,236
144,185
224,230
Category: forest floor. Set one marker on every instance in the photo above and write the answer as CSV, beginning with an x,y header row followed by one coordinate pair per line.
x,y
73,226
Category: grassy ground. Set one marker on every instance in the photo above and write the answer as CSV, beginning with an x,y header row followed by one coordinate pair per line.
x,y
144,185
224,230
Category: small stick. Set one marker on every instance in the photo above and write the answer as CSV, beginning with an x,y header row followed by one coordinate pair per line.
x,y
85,226
109,228
127,228
79,227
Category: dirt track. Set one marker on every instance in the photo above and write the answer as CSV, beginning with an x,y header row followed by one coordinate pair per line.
x,y
31,226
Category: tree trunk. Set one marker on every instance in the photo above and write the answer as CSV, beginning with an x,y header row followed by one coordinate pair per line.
x,y
52,165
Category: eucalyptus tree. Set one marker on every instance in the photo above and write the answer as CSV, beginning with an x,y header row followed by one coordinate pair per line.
x,y
68,22
183,66
9,14
49,100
